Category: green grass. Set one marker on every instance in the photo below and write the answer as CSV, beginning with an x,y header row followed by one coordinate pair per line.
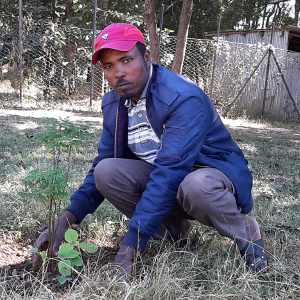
x,y
212,269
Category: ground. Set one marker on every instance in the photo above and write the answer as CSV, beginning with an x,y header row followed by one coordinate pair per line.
x,y
14,247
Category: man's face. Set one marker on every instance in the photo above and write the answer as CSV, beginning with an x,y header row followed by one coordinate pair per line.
x,y
126,72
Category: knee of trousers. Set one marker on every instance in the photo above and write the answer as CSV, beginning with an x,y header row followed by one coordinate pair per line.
x,y
201,191
103,172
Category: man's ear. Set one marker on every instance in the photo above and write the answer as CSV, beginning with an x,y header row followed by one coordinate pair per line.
x,y
147,57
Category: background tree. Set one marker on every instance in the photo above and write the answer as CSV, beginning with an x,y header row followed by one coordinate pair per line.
x,y
236,14
185,17
102,14
150,17
297,10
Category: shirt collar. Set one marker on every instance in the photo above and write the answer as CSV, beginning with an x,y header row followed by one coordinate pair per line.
x,y
144,93
129,103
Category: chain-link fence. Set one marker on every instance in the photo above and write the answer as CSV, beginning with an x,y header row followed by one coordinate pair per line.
x,y
241,84
56,66
56,62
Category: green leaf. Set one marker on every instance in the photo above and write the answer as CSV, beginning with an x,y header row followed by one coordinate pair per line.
x,y
77,261
44,254
88,247
71,236
34,250
64,249
65,264
73,254
65,267
65,271
62,279
76,243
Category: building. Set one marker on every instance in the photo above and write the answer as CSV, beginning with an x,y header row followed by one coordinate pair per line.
x,y
287,38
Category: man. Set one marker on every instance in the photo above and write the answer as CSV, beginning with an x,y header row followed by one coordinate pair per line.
x,y
164,157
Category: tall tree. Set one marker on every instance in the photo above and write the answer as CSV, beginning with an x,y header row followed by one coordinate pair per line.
x,y
69,12
297,10
102,14
151,27
185,17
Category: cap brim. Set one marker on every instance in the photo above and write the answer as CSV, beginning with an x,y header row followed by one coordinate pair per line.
x,y
119,45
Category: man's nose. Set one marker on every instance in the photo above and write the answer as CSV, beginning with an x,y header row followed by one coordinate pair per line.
x,y
119,71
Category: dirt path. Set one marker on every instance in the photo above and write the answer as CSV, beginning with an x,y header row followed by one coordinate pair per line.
x,y
18,115
236,127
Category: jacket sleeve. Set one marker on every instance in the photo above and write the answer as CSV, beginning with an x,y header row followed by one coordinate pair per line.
x,y
186,128
87,198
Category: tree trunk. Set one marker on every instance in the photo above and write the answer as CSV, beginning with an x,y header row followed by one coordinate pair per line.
x,y
53,9
297,10
185,17
102,14
68,9
151,27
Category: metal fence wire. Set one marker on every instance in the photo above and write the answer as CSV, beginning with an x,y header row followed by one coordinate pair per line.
x,y
56,66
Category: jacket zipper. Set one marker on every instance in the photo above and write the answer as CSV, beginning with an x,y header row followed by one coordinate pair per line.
x,y
164,126
116,130
149,122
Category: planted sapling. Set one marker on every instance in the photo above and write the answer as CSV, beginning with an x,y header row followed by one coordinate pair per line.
x,y
70,258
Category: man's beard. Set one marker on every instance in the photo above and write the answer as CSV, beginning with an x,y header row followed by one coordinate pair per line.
x,y
128,95
125,95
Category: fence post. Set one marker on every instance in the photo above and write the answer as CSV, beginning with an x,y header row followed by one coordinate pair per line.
x,y
286,86
161,21
267,73
214,59
93,51
240,91
20,53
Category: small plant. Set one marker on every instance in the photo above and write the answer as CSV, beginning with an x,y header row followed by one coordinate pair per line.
x,y
49,186
62,136
70,258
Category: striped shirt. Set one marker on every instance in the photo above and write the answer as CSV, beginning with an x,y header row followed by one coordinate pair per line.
x,y
142,140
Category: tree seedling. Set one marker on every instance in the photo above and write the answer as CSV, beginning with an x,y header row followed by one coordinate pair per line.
x,y
70,258
49,186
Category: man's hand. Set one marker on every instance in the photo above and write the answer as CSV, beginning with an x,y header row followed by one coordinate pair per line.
x,y
42,243
122,267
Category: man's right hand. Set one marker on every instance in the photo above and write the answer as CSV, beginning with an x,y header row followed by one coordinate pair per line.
x,y
42,243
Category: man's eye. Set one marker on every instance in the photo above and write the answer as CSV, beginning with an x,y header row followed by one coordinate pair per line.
x,y
127,60
108,67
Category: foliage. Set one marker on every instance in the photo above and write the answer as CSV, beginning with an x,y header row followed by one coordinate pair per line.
x,y
49,186
43,185
236,14
62,136
71,258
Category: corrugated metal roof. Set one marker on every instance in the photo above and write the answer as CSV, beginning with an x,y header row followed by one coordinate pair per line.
x,y
289,28
293,29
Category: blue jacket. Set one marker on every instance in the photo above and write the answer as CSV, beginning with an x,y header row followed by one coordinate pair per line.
x,y
191,133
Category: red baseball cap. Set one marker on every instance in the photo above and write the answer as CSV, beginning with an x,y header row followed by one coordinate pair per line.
x,y
119,36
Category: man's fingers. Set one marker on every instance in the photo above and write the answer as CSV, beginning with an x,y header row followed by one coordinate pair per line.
x,y
43,238
42,245
35,260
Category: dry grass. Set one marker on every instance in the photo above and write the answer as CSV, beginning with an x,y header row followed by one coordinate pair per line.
x,y
212,269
